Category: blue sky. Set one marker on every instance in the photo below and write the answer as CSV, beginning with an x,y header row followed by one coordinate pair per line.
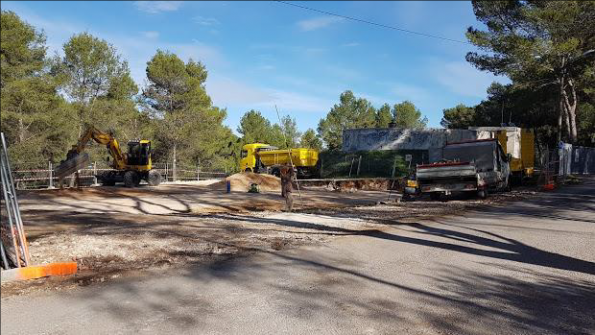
x,y
262,54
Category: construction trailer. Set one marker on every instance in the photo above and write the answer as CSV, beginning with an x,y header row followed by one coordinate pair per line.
x,y
518,142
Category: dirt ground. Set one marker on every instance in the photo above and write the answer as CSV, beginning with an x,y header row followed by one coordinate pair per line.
x,y
114,232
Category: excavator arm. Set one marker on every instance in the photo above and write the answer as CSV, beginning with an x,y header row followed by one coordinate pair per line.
x,y
76,158
106,139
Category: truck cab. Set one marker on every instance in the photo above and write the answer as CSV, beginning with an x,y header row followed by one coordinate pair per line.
x,y
249,161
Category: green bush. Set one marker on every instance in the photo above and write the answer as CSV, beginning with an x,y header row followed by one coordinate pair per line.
x,y
372,164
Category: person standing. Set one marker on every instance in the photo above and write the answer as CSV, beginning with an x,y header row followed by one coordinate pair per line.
x,y
287,174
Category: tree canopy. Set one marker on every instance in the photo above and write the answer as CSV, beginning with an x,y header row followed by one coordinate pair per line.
x,y
406,115
459,116
310,140
537,44
36,120
353,112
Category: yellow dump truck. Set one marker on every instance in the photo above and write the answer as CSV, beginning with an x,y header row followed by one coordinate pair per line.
x,y
518,142
264,158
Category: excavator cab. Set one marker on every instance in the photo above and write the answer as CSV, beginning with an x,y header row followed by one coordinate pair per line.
x,y
139,153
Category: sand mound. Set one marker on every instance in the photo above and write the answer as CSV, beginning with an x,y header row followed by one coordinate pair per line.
x,y
241,182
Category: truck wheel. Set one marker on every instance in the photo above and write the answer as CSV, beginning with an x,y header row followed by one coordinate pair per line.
x,y
131,179
482,194
435,196
108,178
248,170
154,178
276,172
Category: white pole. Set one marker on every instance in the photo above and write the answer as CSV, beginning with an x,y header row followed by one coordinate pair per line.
x,y
51,174
95,174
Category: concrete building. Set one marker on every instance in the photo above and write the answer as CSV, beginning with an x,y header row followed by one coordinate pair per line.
x,y
427,143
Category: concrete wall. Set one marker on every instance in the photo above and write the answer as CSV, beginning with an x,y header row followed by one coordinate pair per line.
x,y
431,140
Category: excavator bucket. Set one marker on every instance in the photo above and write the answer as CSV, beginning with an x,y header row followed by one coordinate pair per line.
x,y
72,165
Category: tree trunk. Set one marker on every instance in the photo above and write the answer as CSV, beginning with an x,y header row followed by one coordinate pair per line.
x,y
567,122
572,111
21,131
561,110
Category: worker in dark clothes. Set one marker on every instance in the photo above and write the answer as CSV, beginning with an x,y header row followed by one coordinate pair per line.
x,y
287,174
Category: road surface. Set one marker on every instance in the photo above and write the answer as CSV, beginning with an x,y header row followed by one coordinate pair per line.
x,y
523,268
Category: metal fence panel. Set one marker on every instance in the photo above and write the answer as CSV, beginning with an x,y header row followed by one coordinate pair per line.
x,y
582,160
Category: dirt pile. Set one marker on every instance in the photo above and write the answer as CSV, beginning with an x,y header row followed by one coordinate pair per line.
x,y
241,182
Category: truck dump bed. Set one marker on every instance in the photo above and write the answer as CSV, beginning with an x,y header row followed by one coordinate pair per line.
x,y
300,157
445,170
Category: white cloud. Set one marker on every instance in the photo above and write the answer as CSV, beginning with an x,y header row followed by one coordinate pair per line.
x,y
155,7
206,21
463,79
229,92
351,44
317,23
151,34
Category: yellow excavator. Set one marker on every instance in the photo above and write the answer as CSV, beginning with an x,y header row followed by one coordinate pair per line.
x,y
129,168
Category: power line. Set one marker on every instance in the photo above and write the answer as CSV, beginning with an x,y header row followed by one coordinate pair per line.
x,y
373,23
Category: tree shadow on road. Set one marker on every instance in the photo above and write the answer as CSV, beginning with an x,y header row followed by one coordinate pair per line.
x,y
507,248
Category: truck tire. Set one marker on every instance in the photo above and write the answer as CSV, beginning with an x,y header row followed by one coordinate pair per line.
x,y
276,172
482,194
435,196
154,178
108,179
131,179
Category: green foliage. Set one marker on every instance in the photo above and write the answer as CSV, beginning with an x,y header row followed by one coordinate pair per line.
x,y
40,125
22,49
91,65
384,116
379,164
310,140
291,134
351,112
458,117
36,121
188,128
254,128
538,44
408,116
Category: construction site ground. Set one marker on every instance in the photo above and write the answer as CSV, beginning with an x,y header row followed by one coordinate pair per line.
x,y
115,231
517,263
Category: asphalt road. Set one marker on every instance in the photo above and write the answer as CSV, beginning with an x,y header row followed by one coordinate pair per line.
x,y
525,268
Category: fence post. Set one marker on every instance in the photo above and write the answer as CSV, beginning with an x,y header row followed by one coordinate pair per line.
x,y
166,171
198,173
95,174
51,174
394,168
359,163
351,166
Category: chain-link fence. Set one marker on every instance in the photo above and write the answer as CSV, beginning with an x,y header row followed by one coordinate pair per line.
x,y
43,177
